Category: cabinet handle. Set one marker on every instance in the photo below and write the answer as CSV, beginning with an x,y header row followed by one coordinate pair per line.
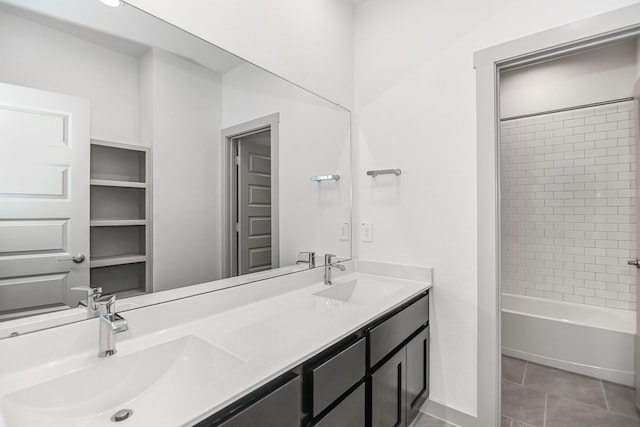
x,y
399,397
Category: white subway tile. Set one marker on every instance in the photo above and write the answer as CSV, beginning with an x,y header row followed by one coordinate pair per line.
x,y
574,298
573,123
603,127
596,136
595,301
583,129
606,109
564,115
584,112
584,292
615,117
595,120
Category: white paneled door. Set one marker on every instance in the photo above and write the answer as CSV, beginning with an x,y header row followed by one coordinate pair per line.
x,y
44,199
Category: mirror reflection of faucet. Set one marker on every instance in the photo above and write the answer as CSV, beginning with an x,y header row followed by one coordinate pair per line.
x,y
310,259
328,265
90,302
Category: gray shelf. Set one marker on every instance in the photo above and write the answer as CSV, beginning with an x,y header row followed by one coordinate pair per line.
x,y
120,259
107,261
117,222
111,183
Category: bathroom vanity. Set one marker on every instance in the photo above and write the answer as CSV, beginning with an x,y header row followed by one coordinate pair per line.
x,y
285,351
377,376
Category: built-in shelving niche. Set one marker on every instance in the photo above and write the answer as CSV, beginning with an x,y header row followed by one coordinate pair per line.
x,y
120,218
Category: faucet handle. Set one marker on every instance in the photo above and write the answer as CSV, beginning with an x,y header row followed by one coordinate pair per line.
x,y
106,304
92,295
327,258
311,259
88,289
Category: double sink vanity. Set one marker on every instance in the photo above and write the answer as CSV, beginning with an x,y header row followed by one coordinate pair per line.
x,y
288,351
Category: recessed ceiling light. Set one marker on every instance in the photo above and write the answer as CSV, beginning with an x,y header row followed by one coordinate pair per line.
x,y
112,3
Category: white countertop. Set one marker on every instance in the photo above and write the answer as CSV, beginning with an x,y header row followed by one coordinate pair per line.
x,y
269,336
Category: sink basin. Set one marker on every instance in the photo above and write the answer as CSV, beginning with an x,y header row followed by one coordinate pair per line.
x,y
161,378
358,292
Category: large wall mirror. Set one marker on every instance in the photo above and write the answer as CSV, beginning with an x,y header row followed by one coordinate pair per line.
x,y
141,159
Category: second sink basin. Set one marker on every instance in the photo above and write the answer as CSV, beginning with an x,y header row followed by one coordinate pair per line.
x,y
144,382
358,292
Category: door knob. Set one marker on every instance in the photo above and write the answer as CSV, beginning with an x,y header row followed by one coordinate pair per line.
x,y
635,262
77,258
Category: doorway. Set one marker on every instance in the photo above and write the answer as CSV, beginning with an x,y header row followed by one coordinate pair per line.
x,y
593,32
250,200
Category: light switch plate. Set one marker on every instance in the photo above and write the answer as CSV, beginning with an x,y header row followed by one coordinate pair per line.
x,y
366,231
344,231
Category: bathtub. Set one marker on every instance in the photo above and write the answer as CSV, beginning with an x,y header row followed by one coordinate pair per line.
x,y
588,340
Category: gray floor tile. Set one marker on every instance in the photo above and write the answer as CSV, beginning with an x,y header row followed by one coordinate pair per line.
x,y
565,384
523,404
513,369
621,399
562,412
505,422
517,423
425,420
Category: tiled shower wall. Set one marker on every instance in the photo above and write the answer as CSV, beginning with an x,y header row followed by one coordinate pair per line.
x,y
568,205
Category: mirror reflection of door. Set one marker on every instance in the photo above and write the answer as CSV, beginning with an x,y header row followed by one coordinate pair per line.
x,y
253,202
44,200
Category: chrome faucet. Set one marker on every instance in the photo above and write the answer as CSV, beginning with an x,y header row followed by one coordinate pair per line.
x,y
111,323
90,303
327,268
311,259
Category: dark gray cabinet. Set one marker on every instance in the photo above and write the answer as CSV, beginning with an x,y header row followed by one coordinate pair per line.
x,y
338,374
417,385
349,413
399,360
401,384
279,408
378,376
396,329
388,402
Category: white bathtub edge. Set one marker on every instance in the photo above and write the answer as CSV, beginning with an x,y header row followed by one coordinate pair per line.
x,y
616,376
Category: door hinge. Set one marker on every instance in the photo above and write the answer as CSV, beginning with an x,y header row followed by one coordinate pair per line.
x,y
237,227
237,160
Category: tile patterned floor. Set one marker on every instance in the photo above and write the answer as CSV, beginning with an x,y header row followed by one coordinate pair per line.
x,y
538,396
425,420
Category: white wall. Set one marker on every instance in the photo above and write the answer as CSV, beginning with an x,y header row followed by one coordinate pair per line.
x,y
598,75
415,109
182,112
307,42
40,57
313,140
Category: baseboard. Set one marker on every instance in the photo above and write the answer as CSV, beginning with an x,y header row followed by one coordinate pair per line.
x,y
612,375
449,415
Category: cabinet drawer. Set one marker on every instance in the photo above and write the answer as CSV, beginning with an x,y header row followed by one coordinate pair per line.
x,y
335,376
393,331
349,413
280,408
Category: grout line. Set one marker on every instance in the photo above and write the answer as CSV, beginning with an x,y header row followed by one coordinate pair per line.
x,y
604,393
524,374
544,419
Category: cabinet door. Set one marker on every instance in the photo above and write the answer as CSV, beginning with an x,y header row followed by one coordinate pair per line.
x,y
417,373
349,413
388,408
